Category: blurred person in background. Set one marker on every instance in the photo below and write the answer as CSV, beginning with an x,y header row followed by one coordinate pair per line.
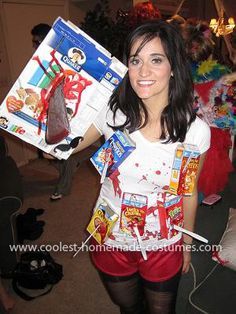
x,y
66,168
213,102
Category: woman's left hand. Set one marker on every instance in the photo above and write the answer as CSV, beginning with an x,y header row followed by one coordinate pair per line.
x,y
186,260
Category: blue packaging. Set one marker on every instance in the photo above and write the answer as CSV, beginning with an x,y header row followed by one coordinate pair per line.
x,y
112,153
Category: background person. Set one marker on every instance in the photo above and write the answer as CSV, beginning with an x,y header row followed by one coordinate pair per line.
x,y
154,104
66,168
213,102
39,32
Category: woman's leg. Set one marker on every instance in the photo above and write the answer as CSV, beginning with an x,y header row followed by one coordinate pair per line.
x,y
161,296
125,291
66,169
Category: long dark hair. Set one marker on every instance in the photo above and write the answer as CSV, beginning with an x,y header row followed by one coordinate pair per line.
x,y
178,114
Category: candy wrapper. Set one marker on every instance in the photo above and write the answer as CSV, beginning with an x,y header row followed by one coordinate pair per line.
x,y
112,153
72,75
184,169
170,210
102,222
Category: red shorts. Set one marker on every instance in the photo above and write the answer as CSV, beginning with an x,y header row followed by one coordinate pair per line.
x,y
160,265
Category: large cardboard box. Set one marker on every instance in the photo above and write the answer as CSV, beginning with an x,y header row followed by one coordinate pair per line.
x,y
87,74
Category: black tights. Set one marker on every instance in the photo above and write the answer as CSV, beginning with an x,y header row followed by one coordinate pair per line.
x,y
130,293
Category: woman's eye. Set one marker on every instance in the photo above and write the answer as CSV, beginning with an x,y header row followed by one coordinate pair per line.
x,y
134,61
156,60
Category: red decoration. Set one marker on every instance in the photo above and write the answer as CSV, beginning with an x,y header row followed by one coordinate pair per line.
x,y
142,12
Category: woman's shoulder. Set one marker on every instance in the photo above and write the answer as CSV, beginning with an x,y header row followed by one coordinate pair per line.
x,y
107,114
105,119
199,134
199,124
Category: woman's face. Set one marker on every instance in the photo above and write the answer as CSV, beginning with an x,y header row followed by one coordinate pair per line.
x,y
149,71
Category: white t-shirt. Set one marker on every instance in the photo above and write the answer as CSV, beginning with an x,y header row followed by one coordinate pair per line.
x,y
145,171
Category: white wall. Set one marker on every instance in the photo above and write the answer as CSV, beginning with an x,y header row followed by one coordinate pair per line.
x,y
16,21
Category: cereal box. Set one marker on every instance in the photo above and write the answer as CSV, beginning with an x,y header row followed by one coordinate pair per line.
x,y
112,153
133,212
70,65
170,210
102,221
184,169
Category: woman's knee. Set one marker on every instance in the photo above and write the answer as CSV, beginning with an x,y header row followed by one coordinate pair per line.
x,y
126,292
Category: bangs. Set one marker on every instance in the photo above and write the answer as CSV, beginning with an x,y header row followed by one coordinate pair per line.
x,y
145,39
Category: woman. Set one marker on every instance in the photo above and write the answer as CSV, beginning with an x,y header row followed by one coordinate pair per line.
x,y
154,104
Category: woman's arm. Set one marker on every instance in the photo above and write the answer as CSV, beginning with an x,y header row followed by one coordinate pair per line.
x,y
90,137
190,204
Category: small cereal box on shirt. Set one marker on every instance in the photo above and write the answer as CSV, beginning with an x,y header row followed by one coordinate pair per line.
x,y
112,153
133,212
184,169
170,210
102,222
